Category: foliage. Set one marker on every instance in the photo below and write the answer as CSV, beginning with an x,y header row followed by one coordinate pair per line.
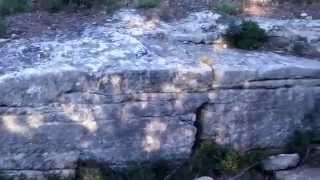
x,y
303,142
3,176
248,35
111,5
82,3
300,142
52,5
92,171
227,8
208,159
3,28
148,3
13,6
211,157
56,5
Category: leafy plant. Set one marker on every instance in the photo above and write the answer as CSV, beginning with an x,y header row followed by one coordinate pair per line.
x,y
3,28
13,6
52,5
148,3
212,157
56,5
248,35
208,159
300,142
111,5
227,8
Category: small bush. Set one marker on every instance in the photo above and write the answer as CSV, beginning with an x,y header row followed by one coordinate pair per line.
x,y
13,6
148,3
248,35
211,157
208,160
228,8
300,142
52,5
56,5
3,28
135,171
111,5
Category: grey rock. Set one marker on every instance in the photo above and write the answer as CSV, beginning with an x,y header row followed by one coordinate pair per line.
x,y
301,173
300,35
280,162
40,175
204,178
198,28
128,91
250,119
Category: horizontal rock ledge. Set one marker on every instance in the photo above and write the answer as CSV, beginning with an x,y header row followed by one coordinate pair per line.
x,y
119,93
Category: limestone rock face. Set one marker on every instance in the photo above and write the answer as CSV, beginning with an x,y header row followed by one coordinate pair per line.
x,y
128,91
301,173
241,112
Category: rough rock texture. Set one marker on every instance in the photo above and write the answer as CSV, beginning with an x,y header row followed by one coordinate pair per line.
x,y
280,162
301,173
297,36
130,91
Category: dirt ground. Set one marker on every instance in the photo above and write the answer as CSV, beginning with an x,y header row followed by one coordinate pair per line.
x,y
40,22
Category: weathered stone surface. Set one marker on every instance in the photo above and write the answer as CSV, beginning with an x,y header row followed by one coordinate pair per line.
x,y
248,119
199,28
299,36
301,173
41,175
129,91
280,162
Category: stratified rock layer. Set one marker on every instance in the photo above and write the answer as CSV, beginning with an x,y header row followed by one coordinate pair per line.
x,y
132,90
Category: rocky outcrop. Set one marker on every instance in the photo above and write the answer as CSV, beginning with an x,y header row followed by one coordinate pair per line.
x,y
130,91
302,173
296,36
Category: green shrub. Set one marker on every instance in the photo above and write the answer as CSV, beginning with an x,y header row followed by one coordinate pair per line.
x,y
56,5
3,28
148,3
210,157
227,8
13,6
83,3
248,35
52,5
207,160
135,171
111,5
300,142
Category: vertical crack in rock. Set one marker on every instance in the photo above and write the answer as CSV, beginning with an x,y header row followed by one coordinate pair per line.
x,y
199,126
